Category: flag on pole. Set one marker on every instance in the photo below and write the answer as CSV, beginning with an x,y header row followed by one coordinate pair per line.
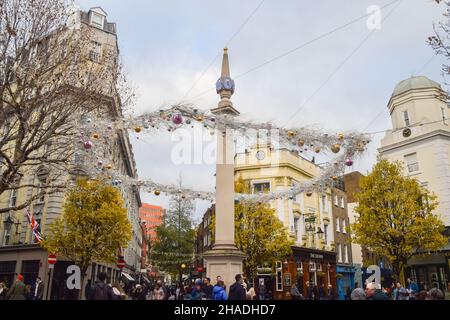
x,y
34,226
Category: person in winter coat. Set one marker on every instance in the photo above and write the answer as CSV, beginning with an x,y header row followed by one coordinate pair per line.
x,y
197,293
88,290
237,290
413,289
218,292
374,292
3,291
18,291
101,290
207,288
295,293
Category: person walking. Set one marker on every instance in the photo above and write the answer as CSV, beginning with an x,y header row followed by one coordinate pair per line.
x,y
435,294
413,289
262,291
330,293
3,291
118,292
38,291
208,288
237,290
101,290
218,292
197,293
312,290
321,292
374,292
158,291
18,290
88,290
358,294
295,293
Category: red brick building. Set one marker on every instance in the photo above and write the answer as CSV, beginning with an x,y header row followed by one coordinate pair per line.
x,y
153,216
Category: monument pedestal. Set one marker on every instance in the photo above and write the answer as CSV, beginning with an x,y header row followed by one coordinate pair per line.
x,y
224,261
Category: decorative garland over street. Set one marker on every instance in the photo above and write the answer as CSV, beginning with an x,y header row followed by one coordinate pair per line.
x,y
96,135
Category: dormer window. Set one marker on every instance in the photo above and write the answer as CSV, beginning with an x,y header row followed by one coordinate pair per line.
x,y
97,20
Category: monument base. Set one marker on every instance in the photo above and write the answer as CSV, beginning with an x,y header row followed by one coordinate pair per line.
x,y
224,261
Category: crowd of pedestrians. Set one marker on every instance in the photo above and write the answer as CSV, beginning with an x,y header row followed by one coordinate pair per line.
x,y
21,291
374,291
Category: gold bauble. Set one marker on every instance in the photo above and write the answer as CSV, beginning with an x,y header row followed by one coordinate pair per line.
x,y
157,192
109,166
301,143
334,178
199,118
335,148
317,150
95,136
309,194
137,129
341,136
291,134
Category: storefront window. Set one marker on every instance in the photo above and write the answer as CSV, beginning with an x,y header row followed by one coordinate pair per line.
x,y
7,271
30,271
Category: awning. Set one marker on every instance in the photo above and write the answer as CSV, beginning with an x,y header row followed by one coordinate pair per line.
x,y
127,276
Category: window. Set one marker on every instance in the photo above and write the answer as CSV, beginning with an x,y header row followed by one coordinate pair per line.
x,y
344,226
319,266
325,233
406,118
279,277
443,114
296,229
96,51
342,202
338,226
324,203
13,198
97,20
261,187
345,253
335,200
312,266
412,163
338,252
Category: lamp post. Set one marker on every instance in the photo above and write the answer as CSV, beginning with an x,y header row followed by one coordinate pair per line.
x,y
182,267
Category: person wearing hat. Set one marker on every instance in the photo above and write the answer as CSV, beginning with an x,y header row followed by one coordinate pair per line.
x,y
18,290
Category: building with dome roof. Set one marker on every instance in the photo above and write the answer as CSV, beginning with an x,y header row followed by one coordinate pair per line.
x,y
420,138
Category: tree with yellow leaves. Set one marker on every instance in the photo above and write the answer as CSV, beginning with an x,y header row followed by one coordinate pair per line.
x,y
396,217
258,233
94,224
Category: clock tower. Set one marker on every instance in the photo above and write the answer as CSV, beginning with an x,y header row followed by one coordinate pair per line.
x,y
224,259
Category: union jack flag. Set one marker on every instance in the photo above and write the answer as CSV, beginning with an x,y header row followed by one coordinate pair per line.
x,y
34,226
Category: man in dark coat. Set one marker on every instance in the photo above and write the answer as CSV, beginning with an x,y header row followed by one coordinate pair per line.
x,y
88,290
102,291
374,292
237,290
207,288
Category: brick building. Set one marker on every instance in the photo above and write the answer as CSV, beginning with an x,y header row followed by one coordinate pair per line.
x,y
153,216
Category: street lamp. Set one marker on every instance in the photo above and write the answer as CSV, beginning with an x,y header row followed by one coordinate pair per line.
x,y
8,223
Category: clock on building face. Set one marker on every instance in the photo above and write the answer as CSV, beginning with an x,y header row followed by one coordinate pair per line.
x,y
406,132
260,155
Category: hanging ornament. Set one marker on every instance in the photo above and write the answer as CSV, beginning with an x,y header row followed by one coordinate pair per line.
x,y
95,136
88,120
110,127
309,194
188,121
177,119
157,192
301,143
291,134
109,166
183,196
317,150
341,136
335,148
349,162
137,129
100,163
199,118
334,178
88,145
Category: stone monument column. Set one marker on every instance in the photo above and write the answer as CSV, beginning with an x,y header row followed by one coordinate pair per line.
x,y
224,259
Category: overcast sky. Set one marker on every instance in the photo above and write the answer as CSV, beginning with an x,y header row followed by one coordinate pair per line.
x,y
167,45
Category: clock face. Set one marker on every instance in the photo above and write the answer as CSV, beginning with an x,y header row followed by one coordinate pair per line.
x,y
228,84
260,155
219,85
407,132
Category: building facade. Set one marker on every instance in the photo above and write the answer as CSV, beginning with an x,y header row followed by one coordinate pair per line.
x,y
153,216
344,262
19,252
307,217
420,138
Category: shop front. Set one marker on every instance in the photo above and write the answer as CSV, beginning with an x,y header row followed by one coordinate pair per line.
x,y
345,281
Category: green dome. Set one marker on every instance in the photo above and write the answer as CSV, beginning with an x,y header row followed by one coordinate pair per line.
x,y
412,83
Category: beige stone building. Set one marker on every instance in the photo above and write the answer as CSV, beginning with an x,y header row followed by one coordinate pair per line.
x,y
420,138
307,217
19,252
